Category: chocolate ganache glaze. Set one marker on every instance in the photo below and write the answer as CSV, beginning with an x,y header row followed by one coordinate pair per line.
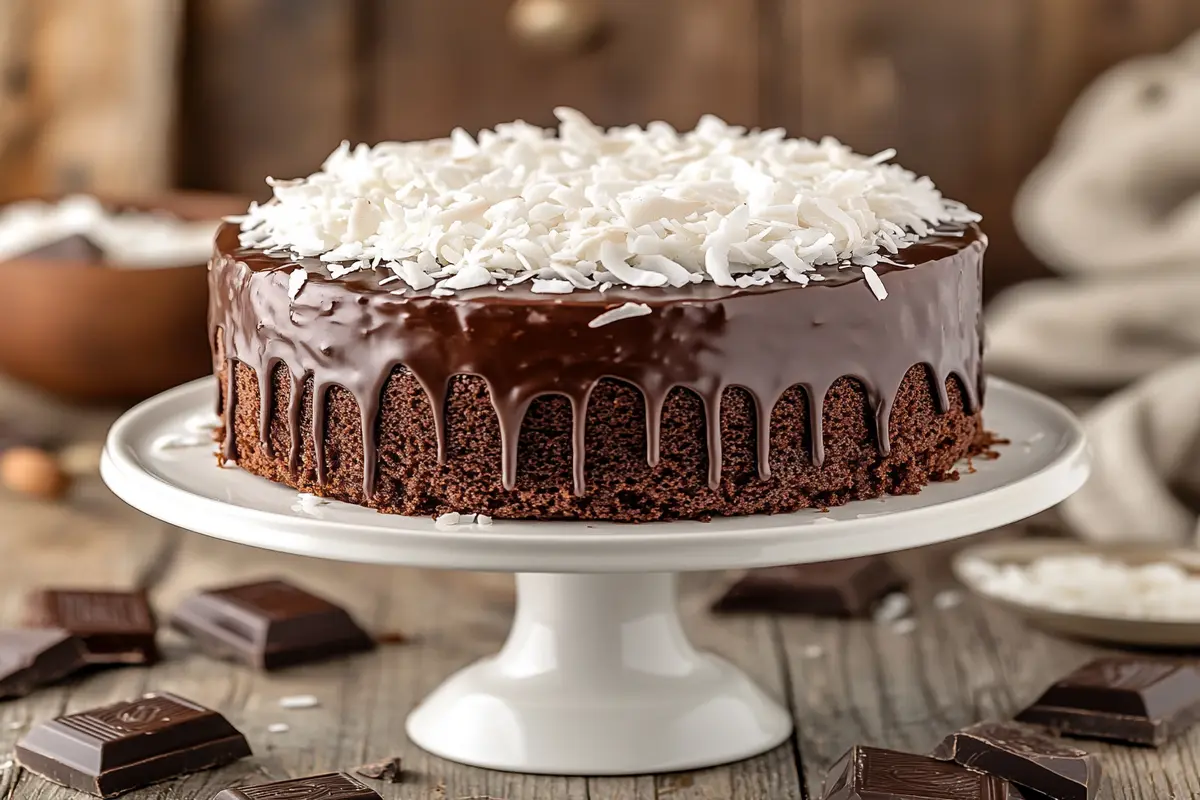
x,y
354,332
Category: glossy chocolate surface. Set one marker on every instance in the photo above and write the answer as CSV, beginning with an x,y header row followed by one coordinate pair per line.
x,y
331,786
115,627
111,750
847,588
269,624
352,332
872,773
1132,700
34,657
1051,768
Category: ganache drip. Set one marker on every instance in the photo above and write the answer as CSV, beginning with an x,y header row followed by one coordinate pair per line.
x,y
353,333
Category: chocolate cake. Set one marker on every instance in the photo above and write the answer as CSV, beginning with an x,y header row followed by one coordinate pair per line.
x,y
426,328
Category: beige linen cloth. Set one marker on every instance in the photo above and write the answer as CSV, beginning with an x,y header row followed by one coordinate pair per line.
x,y
1115,208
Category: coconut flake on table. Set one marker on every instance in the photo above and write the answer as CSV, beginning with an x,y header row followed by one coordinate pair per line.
x,y
128,239
1093,585
581,208
299,701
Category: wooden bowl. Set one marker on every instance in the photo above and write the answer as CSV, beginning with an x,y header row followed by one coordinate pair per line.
x,y
97,334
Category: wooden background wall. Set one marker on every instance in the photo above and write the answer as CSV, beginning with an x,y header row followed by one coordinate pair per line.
x,y
968,91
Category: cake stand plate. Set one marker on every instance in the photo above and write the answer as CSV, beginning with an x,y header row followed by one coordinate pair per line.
x,y
597,676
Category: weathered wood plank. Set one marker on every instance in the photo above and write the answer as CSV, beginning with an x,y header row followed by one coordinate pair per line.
x,y
268,89
446,63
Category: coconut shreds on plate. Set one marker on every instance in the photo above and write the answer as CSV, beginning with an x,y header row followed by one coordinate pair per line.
x,y
1093,585
583,208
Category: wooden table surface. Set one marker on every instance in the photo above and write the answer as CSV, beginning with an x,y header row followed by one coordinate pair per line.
x,y
845,682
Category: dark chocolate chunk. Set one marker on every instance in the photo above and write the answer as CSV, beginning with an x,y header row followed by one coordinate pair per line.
x,y
76,247
871,773
116,627
131,744
848,588
269,625
1132,700
1022,756
34,657
389,770
332,786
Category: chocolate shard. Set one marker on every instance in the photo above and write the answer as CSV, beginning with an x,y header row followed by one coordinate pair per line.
x,y
127,745
269,624
76,247
1132,700
872,773
848,588
331,786
390,770
30,658
115,627
1022,756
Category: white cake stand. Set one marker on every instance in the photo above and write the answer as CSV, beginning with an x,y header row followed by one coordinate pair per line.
x,y
597,676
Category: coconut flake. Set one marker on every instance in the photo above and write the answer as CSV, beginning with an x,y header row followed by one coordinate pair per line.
x,y
893,607
619,313
591,208
296,281
552,286
299,701
875,282
947,599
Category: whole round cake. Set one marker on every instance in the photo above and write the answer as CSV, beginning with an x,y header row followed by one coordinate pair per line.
x,y
632,324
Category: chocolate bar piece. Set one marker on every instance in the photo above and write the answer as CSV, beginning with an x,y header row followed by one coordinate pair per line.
x,y
1131,700
1022,756
116,627
848,588
124,746
269,625
332,786
390,770
30,658
871,773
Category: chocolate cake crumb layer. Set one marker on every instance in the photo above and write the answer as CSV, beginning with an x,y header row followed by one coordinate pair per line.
x,y
620,484
509,404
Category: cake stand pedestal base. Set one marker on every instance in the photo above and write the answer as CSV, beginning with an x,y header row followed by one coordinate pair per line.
x,y
597,677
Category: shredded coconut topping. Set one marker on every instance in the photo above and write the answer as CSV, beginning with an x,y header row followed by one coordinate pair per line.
x,y
584,208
